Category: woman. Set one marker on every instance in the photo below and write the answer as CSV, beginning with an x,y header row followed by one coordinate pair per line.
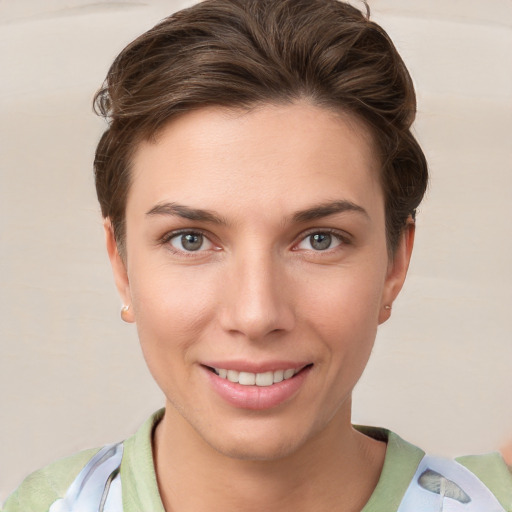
x,y
259,183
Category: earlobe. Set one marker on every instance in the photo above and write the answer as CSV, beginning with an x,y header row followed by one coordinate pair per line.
x,y
397,271
119,271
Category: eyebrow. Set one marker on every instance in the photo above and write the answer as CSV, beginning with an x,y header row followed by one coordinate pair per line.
x,y
326,209
179,210
201,215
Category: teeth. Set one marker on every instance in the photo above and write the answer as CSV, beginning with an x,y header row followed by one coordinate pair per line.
x,y
278,375
232,375
247,379
288,374
258,379
264,379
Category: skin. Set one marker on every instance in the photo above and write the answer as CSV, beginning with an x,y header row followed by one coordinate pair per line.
x,y
506,452
258,290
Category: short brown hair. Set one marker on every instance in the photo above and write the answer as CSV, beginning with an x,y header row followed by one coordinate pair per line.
x,y
241,53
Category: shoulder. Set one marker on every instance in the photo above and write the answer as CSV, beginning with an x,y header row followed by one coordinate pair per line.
x,y
480,480
89,470
40,489
492,471
412,481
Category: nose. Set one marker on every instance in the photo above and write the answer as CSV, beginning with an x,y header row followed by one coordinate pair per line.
x,y
257,299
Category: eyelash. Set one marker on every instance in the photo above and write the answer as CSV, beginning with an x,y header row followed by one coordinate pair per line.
x,y
168,237
342,237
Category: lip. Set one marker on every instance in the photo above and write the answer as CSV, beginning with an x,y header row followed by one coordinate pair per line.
x,y
256,397
253,367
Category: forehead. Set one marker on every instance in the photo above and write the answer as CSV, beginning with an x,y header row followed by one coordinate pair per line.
x,y
274,155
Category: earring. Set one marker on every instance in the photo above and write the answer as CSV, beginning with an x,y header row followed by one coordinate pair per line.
x,y
124,312
388,307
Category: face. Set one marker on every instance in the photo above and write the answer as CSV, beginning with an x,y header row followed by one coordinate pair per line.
x,y
257,271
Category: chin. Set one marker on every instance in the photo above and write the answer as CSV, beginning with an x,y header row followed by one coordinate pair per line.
x,y
256,449
257,440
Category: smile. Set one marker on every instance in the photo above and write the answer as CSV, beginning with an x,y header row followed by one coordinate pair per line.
x,y
256,379
257,390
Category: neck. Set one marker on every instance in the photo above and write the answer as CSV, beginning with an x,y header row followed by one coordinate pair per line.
x,y
335,470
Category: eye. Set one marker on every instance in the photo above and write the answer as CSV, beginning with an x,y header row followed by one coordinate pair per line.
x,y
320,241
190,241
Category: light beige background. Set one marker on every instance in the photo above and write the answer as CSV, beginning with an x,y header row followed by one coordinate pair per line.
x,y
71,373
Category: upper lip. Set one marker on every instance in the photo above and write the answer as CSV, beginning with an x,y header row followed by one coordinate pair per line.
x,y
256,367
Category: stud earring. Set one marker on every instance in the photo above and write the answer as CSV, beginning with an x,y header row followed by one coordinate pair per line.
x,y
388,307
124,312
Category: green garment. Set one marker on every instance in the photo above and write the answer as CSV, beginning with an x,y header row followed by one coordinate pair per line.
x,y
140,489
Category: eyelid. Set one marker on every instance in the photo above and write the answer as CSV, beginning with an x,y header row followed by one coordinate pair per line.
x,y
342,236
167,237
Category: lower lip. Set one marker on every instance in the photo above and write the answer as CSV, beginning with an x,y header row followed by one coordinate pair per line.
x,y
257,397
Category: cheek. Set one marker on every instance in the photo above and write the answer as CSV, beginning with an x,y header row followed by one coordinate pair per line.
x,y
343,314
171,307
346,300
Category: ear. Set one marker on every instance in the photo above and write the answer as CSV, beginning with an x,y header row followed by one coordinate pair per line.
x,y
397,271
119,270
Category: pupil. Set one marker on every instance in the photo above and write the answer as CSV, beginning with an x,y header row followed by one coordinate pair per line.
x,y
321,241
191,241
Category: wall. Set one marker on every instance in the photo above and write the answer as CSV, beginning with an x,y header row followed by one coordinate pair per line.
x,y
71,373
